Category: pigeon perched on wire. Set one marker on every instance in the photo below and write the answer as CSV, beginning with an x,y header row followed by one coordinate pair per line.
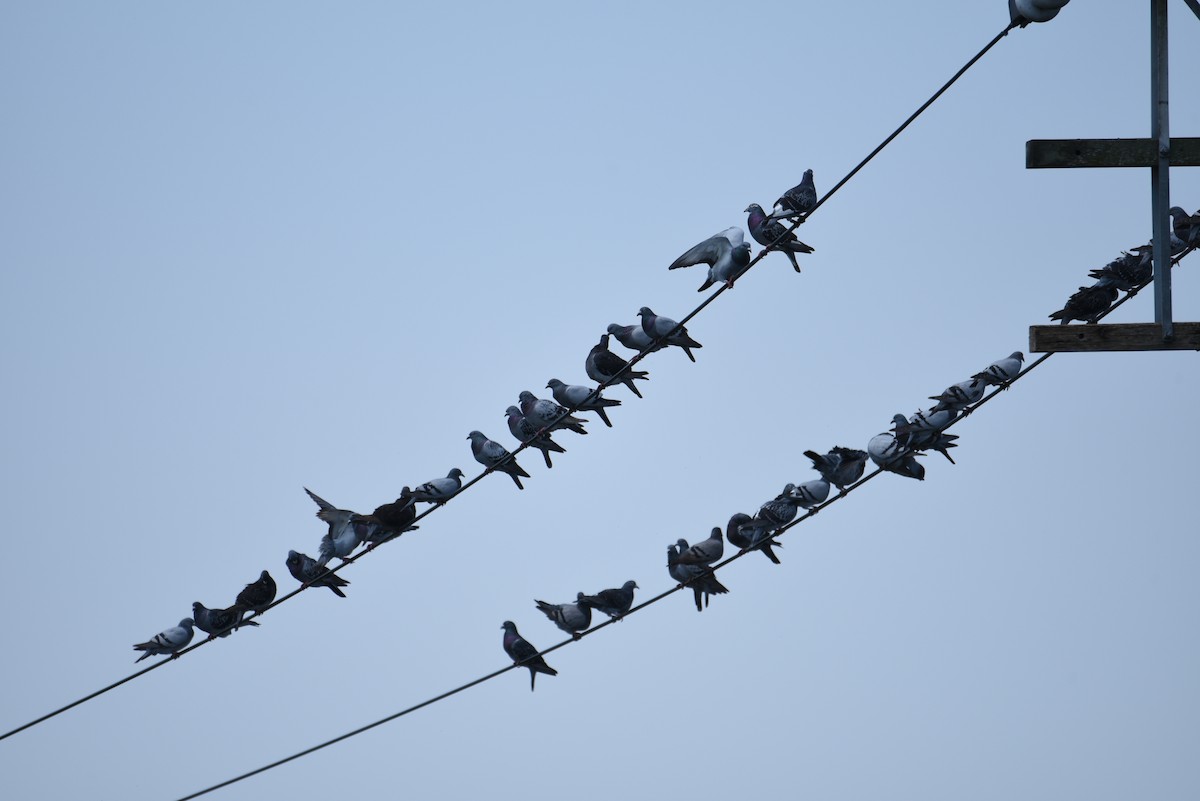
x,y
527,432
1002,371
887,452
1129,271
257,596
342,537
768,233
522,653
634,337
957,397
704,552
439,490
393,519
925,432
1088,304
700,578
841,466
602,366
572,618
493,456
772,515
548,415
168,641
613,602
726,255
810,493
306,571
582,398
1185,230
799,200
667,331
218,622
743,541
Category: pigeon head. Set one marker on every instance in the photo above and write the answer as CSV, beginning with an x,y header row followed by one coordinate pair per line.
x,y
508,625
614,329
475,436
186,623
455,473
630,585
511,411
645,312
527,396
754,208
554,383
263,576
603,341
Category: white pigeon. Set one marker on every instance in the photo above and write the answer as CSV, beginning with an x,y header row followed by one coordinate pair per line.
x,y
169,641
439,490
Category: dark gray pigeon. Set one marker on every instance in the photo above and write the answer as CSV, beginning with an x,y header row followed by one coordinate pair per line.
x,y
393,519
887,452
572,618
439,490
613,602
1129,271
257,596
1185,230
704,552
218,622
726,255
667,331
768,233
772,515
733,533
634,338
701,579
306,571
522,653
958,397
799,200
999,373
548,415
841,466
169,641
527,432
1088,304
581,398
493,456
603,366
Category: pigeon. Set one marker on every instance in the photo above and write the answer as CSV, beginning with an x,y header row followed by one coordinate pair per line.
x,y
635,338
522,653
733,533
218,622
603,366
799,200
342,538
257,596
1185,230
810,493
768,233
582,398
924,432
170,641
958,397
572,618
1088,304
1129,271
701,579
614,602
1000,373
667,331
393,519
439,490
726,255
887,452
527,432
705,552
548,415
306,571
493,456
841,466
771,515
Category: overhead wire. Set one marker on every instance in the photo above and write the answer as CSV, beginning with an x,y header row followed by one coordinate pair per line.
x,y
652,347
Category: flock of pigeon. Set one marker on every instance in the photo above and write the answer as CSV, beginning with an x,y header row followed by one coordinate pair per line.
x,y
1129,272
532,421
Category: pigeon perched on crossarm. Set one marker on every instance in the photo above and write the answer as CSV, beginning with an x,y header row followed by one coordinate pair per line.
x,y
494,456
613,602
582,398
667,331
169,641
603,366
523,653
726,255
768,233
799,200
572,618
306,571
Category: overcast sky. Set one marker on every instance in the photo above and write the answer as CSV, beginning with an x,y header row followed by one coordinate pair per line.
x,y
249,248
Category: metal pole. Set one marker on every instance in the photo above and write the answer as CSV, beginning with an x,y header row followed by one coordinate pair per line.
x,y
1160,183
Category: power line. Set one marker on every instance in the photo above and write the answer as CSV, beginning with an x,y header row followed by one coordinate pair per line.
x,y
603,385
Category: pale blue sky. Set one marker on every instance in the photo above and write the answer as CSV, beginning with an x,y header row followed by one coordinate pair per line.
x,y
252,247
